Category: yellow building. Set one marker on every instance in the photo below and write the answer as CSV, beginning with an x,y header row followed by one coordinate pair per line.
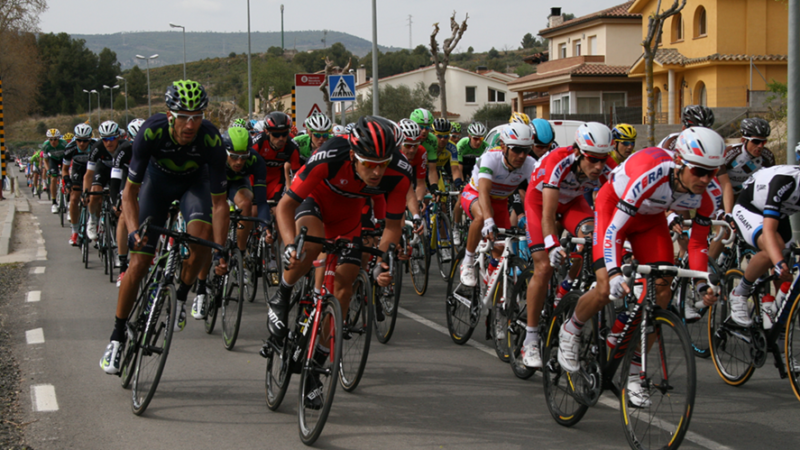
x,y
707,49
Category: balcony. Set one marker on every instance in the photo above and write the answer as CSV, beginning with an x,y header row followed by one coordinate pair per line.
x,y
573,61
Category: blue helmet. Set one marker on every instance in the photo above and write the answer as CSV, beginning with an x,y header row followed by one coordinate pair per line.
x,y
542,132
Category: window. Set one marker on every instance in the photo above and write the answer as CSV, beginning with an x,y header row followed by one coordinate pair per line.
x,y
562,51
657,99
565,104
434,90
577,50
677,27
588,105
592,50
611,99
700,94
700,22
556,108
471,94
530,111
496,96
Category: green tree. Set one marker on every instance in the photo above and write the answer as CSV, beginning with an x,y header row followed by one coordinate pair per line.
x,y
487,112
396,103
275,51
137,86
68,67
493,53
528,41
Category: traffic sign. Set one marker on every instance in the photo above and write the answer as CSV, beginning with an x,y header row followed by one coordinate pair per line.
x,y
308,96
342,88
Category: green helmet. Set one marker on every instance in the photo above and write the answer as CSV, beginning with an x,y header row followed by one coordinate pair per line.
x,y
455,128
241,123
186,95
236,140
422,116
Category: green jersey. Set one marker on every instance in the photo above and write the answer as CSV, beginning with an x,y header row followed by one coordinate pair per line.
x,y
304,144
57,152
465,151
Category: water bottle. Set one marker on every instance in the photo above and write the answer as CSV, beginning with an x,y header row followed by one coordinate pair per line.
x,y
767,310
722,261
780,299
622,320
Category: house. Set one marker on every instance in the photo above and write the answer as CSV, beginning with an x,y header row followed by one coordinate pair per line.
x,y
585,71
708,49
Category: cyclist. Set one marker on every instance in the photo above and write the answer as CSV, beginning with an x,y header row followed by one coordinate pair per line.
x,y
53,149
415,153
73,169
485,199
424,119
555,197
176,156
691,116
518,117
455,133
469,150
543,142
69,137
98,170
318,127
278,151
444,155
116,185
631,206
35,169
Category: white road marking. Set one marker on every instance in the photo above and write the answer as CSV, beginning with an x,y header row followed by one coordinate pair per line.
x,y
35,336
43,398
37,270
44,202
34,296
611,403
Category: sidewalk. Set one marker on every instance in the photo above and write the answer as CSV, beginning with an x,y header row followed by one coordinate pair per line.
x,y
10,209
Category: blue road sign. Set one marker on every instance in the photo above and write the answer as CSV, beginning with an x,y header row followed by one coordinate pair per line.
x,y
342,88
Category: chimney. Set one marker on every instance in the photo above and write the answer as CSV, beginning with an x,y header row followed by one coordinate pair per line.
x,y
481,69
361,74
555,18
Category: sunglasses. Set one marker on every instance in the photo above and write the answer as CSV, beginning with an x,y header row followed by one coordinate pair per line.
x,y
519,149
110,138
442,136
83,140
53,139
278,135
756,141
237,156
369,164
188,117
321,135
424,127
476,138
410,144
627,143
700,172
593,159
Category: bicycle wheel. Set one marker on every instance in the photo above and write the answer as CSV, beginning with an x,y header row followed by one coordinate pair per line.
x,y
463,305
110,246
669,383
385,303
319,375
134,327
498,320
232,299
697,328
444,252
278,373
561,388
791,342
357,332
251,269
214,289
61,207
730,348
418,264
517,315
154,348
272,265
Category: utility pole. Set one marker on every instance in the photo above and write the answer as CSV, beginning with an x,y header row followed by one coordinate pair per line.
x,y
793,96
90,106
249,69
410,46
174,25
324,39
282,46
126,98
374,59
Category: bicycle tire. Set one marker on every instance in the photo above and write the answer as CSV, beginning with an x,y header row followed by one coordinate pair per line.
x,y
443,230
697,328
730,354
359,321
420,260
110,253
671,400
387,300
461,318
498,320
214,298
312,421
517,316
792,341
61,207
559,385
232,300
150,364
251,268
133,327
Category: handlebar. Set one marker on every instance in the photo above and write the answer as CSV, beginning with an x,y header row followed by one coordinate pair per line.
x,y
629,269
715,237
178,235
330,246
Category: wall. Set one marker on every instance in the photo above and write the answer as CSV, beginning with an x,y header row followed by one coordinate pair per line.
x,y
582,33
622,45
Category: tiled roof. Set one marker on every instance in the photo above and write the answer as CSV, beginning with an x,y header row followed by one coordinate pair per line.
x,y
619,11
600,70
671,56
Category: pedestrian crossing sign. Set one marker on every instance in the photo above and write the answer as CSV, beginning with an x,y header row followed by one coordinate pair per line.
x,y
342,88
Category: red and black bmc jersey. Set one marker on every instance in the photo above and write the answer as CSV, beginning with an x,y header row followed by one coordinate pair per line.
x,y
276,159
329,176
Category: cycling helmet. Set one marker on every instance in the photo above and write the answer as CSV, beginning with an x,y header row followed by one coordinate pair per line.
x,y
123,133
83,131
455,128
755,126
422,116
318,122
518,117
68,136
399,136
441,125
697,116
411,131
701,146
373,137
186,95
338,130
594,137
251,124
542,132
476,129
624,132
134,126
108,128
53,133
239,123
277,121
517,134
259,126
237,140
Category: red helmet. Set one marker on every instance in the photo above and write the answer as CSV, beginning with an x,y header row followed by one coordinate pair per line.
x,y
374,137
277,121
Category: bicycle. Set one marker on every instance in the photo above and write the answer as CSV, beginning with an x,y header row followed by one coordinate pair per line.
x,y
438,232
464,304
83,236
667,370
62,197
270,255
418,258
107,235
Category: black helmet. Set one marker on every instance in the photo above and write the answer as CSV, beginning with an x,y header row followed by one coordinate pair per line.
x,y
374,137
277,121
441,125
755,126
697,116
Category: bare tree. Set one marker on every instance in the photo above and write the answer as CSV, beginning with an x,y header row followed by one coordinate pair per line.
x,y
441,61
324,87
650,45
21,15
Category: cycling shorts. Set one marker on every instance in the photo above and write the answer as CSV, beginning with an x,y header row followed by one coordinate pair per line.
x,y
749,225
571,215
340,221
275,190
648,233
160,189
234,186
77,177
502,219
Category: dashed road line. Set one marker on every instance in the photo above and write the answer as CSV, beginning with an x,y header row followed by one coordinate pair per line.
x,y
43,398
37,270
33,296
35,336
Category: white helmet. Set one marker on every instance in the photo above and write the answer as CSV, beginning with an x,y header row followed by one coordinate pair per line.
x,y
517,134
259,126
797,149
53,133
133,127
108,128
594,137
701,146
318,122
411,131
83,130
476,129
338,130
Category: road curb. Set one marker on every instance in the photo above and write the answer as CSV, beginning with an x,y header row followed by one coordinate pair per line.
x,y
7,231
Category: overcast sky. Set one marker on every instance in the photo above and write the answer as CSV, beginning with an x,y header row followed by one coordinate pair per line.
x,y
491,23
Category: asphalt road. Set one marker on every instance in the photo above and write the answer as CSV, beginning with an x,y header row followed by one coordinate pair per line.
x,y
419,391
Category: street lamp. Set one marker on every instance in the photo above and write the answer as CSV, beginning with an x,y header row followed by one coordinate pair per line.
x,y
147,62
90,105
175,25
111,94
126,97
249,70
98,105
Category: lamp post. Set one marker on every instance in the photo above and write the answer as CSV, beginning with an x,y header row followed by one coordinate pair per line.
x,y
375,60
94,91
175,25
249,70
111,97
147,62
282,47
90,106
126,97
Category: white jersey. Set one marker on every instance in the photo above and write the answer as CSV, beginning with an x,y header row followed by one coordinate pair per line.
x,y
740,165
773,191
668,143
491,165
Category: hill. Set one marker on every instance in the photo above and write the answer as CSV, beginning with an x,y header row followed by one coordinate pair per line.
x,y
201,45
